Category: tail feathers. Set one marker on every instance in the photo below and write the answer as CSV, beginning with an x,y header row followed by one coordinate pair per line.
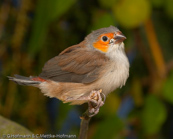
x,y
21,80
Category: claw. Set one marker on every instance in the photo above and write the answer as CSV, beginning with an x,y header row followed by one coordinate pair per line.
x,y
94,113
104,97
97,100
93,101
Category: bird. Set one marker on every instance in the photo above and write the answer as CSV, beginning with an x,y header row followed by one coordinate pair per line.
x,y
86,72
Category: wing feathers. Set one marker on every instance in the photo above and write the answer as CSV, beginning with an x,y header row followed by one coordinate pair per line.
x,y
76,64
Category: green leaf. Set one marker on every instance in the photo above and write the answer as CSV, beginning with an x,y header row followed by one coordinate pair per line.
x,y
137,92
131,13
102,19
153,115
157,3
107,3
46,12
109,128
8,127
168,89
168,8
64,109
111,105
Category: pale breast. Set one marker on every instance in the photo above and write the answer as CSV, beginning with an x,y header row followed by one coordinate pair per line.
x,y
117,72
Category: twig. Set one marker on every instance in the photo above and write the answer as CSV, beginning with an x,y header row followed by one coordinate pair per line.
x,y
155,48
93,109
85,119
143,51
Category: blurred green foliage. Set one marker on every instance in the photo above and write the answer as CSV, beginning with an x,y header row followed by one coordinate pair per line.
x,y
11,128
46,12
33,31
131,13
168,89
153,115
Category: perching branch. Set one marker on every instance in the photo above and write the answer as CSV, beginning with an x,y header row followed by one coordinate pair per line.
x,y
93,108
85,119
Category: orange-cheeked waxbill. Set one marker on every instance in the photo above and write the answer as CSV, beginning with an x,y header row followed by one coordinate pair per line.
x,y
85,72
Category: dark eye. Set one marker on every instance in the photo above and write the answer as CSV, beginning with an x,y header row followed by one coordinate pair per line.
x,y
104,38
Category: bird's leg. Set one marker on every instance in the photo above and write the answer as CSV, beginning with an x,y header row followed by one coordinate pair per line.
x,y
95,102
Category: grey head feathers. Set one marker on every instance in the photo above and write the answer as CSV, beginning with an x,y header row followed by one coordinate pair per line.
x,y
92,37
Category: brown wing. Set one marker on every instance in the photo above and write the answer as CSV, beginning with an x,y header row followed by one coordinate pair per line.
x,y
75,64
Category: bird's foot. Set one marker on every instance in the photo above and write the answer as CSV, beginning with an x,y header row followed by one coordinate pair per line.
x,y
97,99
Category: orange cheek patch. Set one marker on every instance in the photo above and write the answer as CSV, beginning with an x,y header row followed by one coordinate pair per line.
x,y
101,46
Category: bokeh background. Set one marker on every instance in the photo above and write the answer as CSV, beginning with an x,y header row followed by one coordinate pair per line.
x,y
33,31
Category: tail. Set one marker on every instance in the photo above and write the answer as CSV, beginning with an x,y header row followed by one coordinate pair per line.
x,y
30,81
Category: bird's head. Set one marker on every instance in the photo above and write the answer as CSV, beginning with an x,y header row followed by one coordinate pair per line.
x,y
105,38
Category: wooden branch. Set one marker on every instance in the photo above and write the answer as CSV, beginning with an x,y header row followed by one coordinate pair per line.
x,y
85,119
155,48
93,109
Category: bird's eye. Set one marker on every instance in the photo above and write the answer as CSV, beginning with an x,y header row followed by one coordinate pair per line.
x,y
104,38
